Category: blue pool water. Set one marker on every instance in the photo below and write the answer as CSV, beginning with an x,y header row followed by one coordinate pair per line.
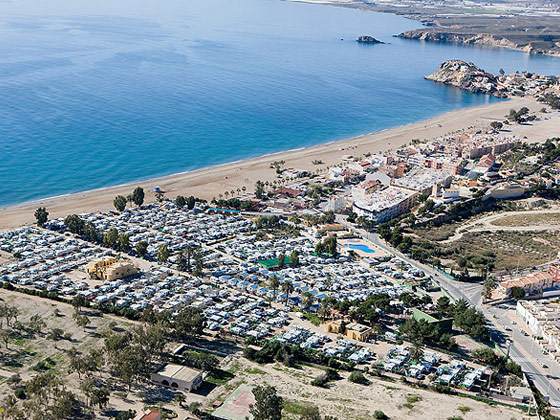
x,y
98,93
361,247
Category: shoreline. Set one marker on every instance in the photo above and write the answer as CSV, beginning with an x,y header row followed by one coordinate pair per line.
x,y
210,182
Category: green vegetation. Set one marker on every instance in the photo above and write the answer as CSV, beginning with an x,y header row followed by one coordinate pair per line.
x,y
487,356
42,216
358,378
120,203
551,99
268,404
380,415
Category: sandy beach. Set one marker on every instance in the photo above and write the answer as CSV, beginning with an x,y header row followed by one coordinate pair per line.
x,y
210,182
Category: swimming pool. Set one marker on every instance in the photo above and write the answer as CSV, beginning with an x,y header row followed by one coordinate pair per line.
x,y
361,247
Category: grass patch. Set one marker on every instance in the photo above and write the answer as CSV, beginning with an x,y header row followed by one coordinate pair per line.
x,y
293,407
464,409
413,399
255,371
219,377
314,319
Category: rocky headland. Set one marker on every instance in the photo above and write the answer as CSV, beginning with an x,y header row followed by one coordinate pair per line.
x,y
468,76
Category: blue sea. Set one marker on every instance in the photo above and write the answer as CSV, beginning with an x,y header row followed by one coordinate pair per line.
x,y
102,92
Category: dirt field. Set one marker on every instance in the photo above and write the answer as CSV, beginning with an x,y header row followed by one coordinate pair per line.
x,y
526,220
512,249
346,400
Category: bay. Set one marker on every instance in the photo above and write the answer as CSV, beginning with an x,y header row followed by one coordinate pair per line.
x,y
99,93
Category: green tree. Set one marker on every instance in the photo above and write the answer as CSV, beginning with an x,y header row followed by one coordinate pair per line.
x,y
160,195
188,322
281,258
124,242
380,415
307,300
310,412
120,203
83,321
90,232
417,351
259,190
294,258
74,224
195,408
42,216
287,288
489,286
138,196
274,284
142,248
357,378
517,292
496,125
111,237
78,302
191,201
163,253
180,201
268,404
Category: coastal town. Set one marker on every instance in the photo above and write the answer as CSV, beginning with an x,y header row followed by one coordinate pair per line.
x,y
380,274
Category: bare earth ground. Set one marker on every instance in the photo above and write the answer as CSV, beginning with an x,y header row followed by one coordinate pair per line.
x,y
210,182
23,354
542,219
346,400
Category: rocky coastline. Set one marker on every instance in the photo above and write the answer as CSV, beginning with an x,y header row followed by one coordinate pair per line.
x,y
434,35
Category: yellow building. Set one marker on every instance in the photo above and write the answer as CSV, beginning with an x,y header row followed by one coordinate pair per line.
x,y
353,330
333,326
358,332
109,268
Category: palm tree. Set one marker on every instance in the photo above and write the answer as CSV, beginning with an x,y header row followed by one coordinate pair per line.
x,y
232,192
307,300
239,191
221,196
244,188
324,310
274,283
287,288
226,194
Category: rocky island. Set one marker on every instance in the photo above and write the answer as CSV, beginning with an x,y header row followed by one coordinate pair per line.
x,y
468,76
366,39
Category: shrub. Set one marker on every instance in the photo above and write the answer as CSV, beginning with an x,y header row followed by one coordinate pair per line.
x,y
320,381
20,394
380,415
357,378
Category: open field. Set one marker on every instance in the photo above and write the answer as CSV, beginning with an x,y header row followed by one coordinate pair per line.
x,y
544,219
346,400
